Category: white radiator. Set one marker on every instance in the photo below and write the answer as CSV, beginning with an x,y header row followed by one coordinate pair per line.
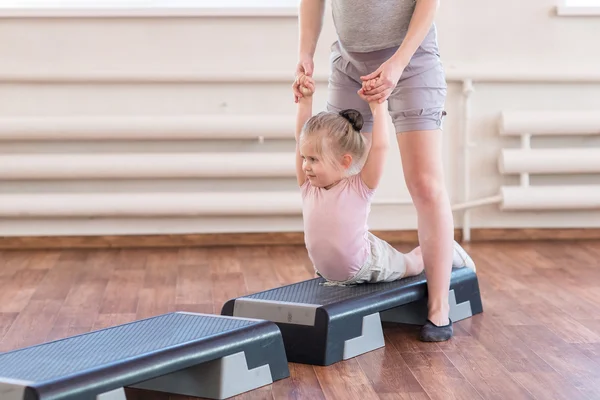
x,y
550,161
184,127
149,204
146,166
526,160
565,197
582,122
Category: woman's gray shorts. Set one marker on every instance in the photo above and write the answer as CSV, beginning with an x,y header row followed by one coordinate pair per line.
x,y
417,102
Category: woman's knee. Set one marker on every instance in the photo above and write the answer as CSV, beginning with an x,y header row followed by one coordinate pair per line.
x,y
426,190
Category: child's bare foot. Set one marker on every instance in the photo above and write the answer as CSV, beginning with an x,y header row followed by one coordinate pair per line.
x,y
414,262
461,259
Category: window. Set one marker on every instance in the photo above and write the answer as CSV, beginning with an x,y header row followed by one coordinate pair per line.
x,y
16,8
582,3
575,8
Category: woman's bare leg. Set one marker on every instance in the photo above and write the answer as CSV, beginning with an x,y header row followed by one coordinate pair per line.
x,y
421,154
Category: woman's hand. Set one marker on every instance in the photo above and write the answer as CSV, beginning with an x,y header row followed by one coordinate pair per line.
x,y
378,85
305,67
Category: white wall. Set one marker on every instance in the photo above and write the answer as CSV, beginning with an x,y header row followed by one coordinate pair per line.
x,y
517,35
163,66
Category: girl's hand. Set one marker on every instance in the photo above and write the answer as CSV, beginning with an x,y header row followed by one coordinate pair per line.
x,y
361,93
306,85
305,67
378,85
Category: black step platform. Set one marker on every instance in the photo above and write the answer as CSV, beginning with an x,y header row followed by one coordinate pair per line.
x,y
200,355
322,325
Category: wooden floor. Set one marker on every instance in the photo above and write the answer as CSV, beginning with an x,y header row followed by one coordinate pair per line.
x,y
539,336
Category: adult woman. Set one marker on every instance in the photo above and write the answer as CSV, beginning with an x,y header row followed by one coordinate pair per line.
x,y
394,43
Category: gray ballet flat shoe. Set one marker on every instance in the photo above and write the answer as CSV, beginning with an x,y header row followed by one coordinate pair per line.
x,y
433,333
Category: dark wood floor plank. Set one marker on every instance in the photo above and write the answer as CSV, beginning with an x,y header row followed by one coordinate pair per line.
x,y
485,373
258,268
83,302
17,290
504,344
564,299
20,277
567,359
591,324
404,396
196,256
262,393
590,294
562,324
158,293
227,278
194,285
13,261
57,282
6,320
132,259
405,338
43,260
122,291
80,309
548,385
439,377
389,374
32,325
591,350
291,263
345,380
109,320
302,384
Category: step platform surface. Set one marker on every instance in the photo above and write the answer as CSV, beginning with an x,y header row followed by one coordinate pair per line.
x,y
322,324
200,355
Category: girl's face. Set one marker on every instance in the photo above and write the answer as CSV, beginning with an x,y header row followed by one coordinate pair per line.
x,y
320,171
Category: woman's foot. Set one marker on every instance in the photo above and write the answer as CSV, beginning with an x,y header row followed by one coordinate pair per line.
x,y
431,332
438,327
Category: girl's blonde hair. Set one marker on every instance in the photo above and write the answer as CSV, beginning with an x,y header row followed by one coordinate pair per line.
x,y
336,134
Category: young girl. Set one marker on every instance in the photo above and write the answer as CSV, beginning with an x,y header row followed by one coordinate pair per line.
x,y
338,175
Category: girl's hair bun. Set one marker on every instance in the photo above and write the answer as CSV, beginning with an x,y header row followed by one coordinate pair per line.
x,y
354,117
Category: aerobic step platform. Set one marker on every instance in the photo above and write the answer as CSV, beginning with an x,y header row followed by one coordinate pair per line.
x,y
200,355
322,325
